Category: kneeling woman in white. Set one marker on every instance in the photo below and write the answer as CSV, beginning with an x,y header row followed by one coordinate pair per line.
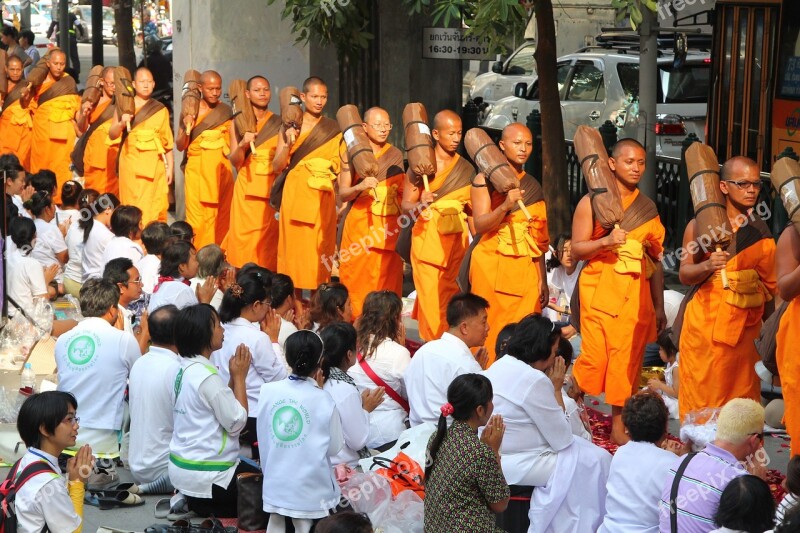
x,y
299,430
539,448
208,416
245,313
178,266
47,425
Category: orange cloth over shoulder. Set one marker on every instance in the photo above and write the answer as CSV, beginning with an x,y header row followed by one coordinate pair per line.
x,y
100,156
15,132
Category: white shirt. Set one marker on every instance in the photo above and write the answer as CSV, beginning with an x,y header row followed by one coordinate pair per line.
x,y
172,292
216,300
151,399
389,362
24,280
287,328
558,280
93,249
62,215
638,473
74,268
265,367
94,360
355,420
44,499
536,426
148,267
49,242
435,365
17,199
122,247
33,53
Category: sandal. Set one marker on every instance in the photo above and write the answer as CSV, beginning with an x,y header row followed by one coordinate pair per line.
x,y
130,486
111,500
162,508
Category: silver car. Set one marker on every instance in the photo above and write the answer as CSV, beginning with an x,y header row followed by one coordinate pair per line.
x,y
598,85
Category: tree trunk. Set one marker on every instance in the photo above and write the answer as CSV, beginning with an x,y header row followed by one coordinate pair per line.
x,y
554,153
123,18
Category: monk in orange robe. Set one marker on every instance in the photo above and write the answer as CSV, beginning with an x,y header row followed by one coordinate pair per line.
x,y
507,264
309,158
15,118
253,233
788,339
717,353
368,260
439,235
145,159
621,289
95,154
208,183
54,107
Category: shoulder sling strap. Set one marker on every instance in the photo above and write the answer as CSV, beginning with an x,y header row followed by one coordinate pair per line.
x,y
393,394
673,493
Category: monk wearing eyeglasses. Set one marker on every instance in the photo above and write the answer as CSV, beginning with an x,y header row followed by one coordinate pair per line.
x,y
717,353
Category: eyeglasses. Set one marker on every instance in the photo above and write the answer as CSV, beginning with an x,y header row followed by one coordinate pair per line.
x,y
379,127
137,281
759,435
72,420
744,184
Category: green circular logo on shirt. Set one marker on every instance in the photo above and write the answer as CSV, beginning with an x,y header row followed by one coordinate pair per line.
x,y
81,350
287,424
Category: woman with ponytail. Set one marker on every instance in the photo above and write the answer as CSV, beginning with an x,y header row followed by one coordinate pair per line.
x,y
96,210
299,431
464,484
248,319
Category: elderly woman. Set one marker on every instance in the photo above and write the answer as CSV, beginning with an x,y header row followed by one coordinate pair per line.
x,y
539,448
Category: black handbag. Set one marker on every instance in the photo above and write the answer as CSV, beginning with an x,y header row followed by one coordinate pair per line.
x,y
249,504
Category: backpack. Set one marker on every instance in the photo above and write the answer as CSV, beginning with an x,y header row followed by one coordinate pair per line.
x,y
9,489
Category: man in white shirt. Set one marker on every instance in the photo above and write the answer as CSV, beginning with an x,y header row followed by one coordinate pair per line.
x,y
125,276
439,362
93,362
152,398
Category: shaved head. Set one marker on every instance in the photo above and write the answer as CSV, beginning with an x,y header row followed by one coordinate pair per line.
x,y
517,144
312,81
444,118
377,124
141,72
257,77
211,87
56,52
370,113
57,63
209,76
738,165
447,131
514,130
13,59
143,82
625,143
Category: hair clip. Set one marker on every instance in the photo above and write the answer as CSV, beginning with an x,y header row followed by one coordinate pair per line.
x,y
236,290
324,287
447,409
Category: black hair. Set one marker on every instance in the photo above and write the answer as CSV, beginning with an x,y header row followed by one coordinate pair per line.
x,y
43,411
45,180
155,236
338,338
645,416
501,344
265,273
37,203
10,31
161,324
194,329
565,351
303,352
116,270
247,290
10,166
71,193
175,255
282,288
665,341
380,319
555,258
622,143
746,505
791,521
793,475
97,296
313,80
346,522
327,304
533,339
466,393
182,230
28,34
256,77
22,231
463,306
92,204
125,220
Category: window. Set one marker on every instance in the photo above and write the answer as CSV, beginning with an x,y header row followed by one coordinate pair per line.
x,y
686,85
561,77
789,61
522,63
587,83
629,79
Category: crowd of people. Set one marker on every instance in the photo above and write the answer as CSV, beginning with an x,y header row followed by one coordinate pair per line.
x,y
229,371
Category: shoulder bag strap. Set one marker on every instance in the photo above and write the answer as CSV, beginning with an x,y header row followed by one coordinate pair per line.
x,y
673,493
380,383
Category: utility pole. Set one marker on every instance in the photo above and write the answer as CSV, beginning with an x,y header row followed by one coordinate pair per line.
x,y
25,15
63,28
648,97
97,32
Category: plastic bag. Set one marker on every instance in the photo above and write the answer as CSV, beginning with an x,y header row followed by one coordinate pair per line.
x,y
413,442
700,427
371,493
9,406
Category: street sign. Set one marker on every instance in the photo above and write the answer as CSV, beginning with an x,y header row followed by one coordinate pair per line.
x,y
452,43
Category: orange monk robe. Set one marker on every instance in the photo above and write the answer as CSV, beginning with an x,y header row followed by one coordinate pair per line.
x,y
717,353
436,257
369,237
142,173
504,268
53,135
253,232
617,316
307,221
100,156
15,132
208,184
788,357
